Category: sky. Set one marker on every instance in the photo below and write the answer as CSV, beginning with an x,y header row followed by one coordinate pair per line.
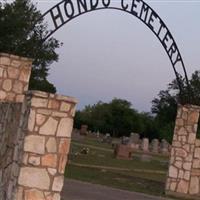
x,y
109,53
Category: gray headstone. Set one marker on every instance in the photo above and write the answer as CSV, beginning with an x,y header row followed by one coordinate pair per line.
x,y
134,138
165,147
145,144
155,145
125,140
107,138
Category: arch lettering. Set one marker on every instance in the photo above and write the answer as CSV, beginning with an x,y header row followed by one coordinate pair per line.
x,y
67,10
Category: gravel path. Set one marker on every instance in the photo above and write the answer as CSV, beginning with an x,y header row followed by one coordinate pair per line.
x,y
77,190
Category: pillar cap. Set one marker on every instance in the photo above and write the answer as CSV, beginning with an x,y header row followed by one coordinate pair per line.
x,y
12,56
190,106
45,95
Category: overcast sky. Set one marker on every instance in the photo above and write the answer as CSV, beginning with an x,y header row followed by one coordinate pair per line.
x,y
110,53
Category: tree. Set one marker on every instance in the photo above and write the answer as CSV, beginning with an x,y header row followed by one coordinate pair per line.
x,y
195,87
117,118
148,126
21,33
123,118
165,108
165,105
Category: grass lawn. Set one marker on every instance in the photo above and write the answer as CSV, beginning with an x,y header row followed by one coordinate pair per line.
x,y
94,142
99,166
131,181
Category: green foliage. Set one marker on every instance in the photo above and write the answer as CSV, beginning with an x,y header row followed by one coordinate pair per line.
x,y
117,118
195,87
148,126
21,35
165,105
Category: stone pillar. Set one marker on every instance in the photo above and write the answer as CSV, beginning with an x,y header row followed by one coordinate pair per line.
x,y
14,77
194,188
11,146
180,181
35,134
46,146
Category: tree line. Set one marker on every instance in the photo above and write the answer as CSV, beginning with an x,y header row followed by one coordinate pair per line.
x,y
119,118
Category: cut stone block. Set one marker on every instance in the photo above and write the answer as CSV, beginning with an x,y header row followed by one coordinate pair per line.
x,y
34,178
194,185
34,144
58,183
49,160
50,127
51,145
65,127
34,195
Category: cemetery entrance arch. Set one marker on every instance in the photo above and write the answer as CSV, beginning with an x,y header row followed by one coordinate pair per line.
x,y
35,131
66,10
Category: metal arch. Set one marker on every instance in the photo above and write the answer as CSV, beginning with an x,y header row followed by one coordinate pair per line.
x,y
178,75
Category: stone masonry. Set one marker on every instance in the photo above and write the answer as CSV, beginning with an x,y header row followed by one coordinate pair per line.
x,y
14,77
11,146
184,170
35,134
15,72
46,146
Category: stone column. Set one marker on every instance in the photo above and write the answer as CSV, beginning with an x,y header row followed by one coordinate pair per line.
x,y
194,188
14,77
183,151
46,146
